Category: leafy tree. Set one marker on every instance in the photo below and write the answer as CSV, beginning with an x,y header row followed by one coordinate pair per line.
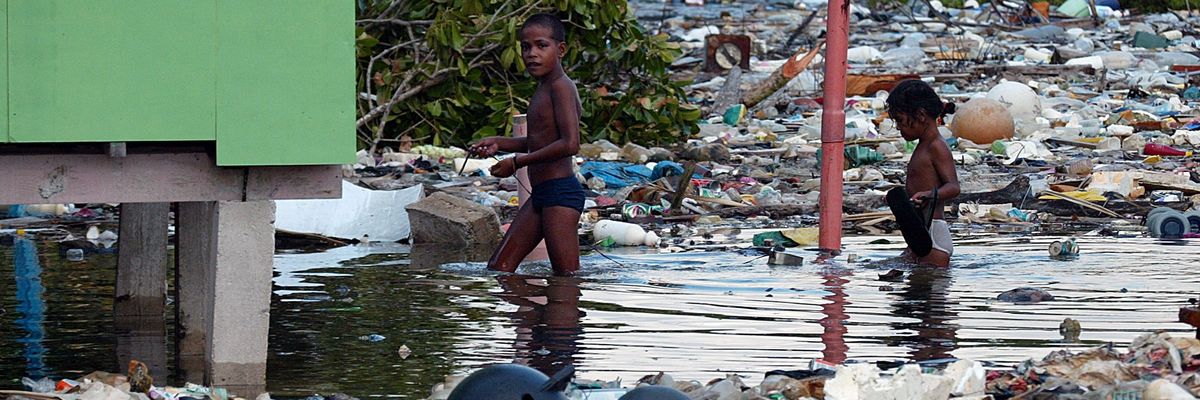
x,y
449,71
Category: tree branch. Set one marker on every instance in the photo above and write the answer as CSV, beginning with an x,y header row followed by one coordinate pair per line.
x,y
401,22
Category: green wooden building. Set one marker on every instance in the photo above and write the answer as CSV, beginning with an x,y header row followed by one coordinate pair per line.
x,y
211,109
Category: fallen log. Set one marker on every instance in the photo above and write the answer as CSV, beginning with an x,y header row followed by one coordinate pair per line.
x,y
1048,70
1013,194
778,79
1066,209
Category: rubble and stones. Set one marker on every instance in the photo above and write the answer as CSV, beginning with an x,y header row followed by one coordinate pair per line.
x,y
446,219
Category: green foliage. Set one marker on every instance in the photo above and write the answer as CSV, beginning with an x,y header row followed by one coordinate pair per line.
x,y
1151,6
457,70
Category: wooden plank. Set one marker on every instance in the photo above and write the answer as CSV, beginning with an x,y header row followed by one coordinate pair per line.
x,y
285,82
141,288
1036,69
1187,189
111,70
868,85
149,178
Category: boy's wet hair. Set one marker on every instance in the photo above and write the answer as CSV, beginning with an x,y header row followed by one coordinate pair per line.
x,y
913,96
549,21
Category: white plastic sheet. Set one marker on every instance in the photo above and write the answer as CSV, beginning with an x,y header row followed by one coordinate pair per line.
x,y
378,214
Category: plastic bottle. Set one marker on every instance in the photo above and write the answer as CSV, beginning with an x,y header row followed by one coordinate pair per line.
x,y
635,153
1155,149
75,254
624,234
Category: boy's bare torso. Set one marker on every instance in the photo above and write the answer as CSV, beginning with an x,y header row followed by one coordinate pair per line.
x,y
543,130
922,176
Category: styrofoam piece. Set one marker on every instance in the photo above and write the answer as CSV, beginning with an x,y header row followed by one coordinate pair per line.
x,y
378,214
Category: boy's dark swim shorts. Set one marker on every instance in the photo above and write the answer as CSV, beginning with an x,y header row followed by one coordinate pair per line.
x,y
561,192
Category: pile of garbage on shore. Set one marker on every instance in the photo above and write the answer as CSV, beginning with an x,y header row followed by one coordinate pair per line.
x,y
1075,126
136,384
1155,366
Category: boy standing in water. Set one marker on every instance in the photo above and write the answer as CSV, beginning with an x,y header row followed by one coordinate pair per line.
x,y
553,138
917,111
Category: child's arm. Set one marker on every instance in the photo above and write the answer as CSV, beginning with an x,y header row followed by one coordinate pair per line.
x,y
489,146
566,118
944,165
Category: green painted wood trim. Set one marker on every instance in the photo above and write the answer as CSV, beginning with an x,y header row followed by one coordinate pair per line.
x,y
4,137
285,91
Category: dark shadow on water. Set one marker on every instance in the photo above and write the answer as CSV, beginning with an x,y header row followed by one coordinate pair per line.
x,y
432,256
925,300
546,320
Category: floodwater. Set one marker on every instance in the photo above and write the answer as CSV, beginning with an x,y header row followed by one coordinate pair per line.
x,y
695,315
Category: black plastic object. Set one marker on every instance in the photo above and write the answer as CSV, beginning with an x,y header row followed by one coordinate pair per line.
x,y
912,225
801,373
1173,226
512,382
654,393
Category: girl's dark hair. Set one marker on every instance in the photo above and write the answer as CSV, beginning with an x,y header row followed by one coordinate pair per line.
x,y
914,96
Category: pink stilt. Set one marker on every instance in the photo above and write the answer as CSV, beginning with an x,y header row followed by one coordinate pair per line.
x,y
833,126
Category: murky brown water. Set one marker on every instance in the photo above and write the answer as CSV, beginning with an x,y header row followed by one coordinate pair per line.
x,y
697,315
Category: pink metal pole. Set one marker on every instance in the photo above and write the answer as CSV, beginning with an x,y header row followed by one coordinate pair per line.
x,y
833,126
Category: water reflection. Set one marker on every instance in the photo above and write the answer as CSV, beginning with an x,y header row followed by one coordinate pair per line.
x,y
833,335
546,320
31,306
924,310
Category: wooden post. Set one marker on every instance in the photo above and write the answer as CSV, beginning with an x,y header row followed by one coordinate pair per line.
x,y
1095,15
681,189
141,288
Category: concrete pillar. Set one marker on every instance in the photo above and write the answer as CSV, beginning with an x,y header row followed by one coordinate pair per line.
x,y
195,254
227,248
141,289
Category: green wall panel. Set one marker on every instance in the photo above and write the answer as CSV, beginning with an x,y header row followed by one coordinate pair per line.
x,y
111,70
285,82
4,71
